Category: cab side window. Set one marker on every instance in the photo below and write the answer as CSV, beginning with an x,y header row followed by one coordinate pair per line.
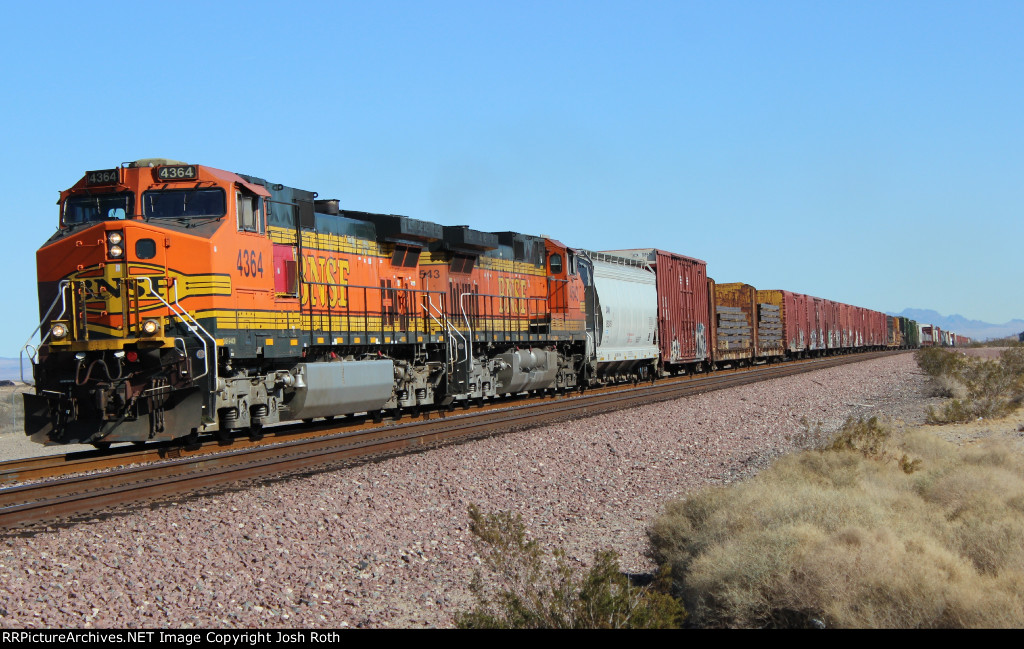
x,y
248,210
555,263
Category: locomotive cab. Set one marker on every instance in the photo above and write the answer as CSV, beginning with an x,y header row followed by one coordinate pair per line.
x,y
133,262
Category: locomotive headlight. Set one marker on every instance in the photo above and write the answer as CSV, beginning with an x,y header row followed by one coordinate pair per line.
x,y
115,252
150,327
58,331
114,237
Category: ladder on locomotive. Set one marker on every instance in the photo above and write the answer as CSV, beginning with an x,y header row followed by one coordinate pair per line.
x,y
458,358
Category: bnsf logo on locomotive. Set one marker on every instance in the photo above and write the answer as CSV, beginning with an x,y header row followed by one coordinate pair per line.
x,y
111,290
512,288
323,281
103,290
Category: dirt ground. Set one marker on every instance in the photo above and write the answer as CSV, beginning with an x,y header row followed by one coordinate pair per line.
x,y
1009,428
983,352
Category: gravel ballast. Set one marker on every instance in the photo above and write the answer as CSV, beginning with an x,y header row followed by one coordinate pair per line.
x,y
387,543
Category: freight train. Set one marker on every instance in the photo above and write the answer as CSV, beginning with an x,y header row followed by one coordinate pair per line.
x,y
178,299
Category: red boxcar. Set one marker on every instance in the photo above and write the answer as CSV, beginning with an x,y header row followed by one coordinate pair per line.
x,y
846,321
833,325
817,323
858,333
683,327
795,322
881,330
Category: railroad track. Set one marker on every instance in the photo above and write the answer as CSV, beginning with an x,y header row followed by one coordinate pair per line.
x,y
131,475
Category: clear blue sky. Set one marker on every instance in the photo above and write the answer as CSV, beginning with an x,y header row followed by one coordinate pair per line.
x,y
868,152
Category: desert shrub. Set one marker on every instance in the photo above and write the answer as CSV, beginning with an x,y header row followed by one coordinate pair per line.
x,y
953,411
868,436
981,388
848,537
1012,361
871,438
528,590
948,386
935,361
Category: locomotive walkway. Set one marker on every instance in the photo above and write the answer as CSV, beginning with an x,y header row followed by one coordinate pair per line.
x,y
162,473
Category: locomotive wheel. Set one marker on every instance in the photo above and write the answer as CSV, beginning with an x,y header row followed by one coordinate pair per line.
x,y
255,433
377,416
190,441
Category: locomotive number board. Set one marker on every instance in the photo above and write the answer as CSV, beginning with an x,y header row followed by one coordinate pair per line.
x,y
102,177
177,172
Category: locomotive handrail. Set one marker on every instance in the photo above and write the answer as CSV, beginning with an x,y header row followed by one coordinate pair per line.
x,y
447,326
184,350
63,284
366,313
469,329
182,315
210,362
448,354
511,299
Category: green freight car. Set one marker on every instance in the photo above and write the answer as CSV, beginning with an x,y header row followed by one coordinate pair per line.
x,y
911,333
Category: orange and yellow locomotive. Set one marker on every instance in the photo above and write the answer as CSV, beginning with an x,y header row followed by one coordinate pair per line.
x,y
178,299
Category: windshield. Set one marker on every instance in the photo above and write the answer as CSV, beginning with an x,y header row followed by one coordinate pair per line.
x,y
101,207
183,203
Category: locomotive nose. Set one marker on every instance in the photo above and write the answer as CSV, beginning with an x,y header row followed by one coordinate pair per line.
x,y
114,289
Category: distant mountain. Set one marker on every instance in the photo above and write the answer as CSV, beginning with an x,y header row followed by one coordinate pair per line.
x,y
9,369
974,329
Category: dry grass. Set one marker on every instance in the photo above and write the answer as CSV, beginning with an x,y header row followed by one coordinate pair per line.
x,y
880,530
